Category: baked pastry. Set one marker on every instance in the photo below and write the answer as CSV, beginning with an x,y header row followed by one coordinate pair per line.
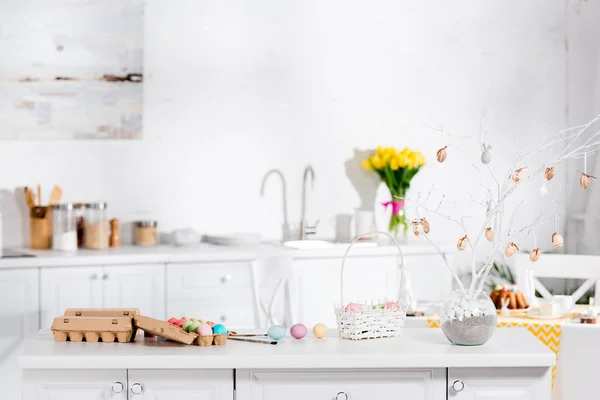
x,y
518,301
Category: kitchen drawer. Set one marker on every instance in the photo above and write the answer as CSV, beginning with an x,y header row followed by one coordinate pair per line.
x,y
417,384
233,314
191,280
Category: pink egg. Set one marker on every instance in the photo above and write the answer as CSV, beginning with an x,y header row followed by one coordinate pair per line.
x,y
391,304
298,331
204,330
353,307
211,324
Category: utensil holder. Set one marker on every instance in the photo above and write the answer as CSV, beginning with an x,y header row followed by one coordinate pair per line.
x,y
40,227
371,321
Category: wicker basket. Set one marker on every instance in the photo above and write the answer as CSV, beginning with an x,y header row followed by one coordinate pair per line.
x,y
371,322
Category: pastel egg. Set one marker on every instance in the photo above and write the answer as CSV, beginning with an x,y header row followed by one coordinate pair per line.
x,y
211,324
180,322
391,305
204,330
320,331
186,326
298,331
172,320
185,318
219,329
276,332
353,307
194,326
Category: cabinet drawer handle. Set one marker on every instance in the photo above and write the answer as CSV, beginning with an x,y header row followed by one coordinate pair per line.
x,y
117,387
226,278
93,277
341,396
105,276
136,388
458,386
223,318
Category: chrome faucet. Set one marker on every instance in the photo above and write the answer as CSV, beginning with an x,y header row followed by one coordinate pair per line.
x,y
305,229
286,226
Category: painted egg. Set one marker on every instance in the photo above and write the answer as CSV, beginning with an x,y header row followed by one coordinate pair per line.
x,y
391,304
186,326
219,329
194,326
180,322
320,331
204,330
276,332
298,331
185,318
353,307
211,324
172,320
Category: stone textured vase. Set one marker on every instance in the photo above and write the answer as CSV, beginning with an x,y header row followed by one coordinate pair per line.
x,y
468,319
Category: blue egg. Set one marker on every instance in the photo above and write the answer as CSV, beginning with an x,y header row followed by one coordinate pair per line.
x,y
219,329
276,332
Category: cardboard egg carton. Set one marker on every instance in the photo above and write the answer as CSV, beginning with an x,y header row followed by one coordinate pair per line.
x,y
93,329
164,329
102,312
217,340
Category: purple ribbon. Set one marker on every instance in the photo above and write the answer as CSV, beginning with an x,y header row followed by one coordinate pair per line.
x,y
396,205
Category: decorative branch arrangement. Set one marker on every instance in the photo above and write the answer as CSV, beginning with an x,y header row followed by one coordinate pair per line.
x,y
573,143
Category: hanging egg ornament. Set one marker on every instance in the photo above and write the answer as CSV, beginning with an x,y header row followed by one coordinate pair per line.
x,y
549,173
557,240
489,234
516,176
417,228
441,154
425,224
510,249
486,155
462,243
585,179
535,254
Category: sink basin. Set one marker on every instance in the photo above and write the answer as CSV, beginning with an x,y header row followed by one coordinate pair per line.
x,y
322,244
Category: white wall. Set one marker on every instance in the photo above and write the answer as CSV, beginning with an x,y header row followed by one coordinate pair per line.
x,y
234,88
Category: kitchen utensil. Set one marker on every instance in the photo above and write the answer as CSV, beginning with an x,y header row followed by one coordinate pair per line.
x,y
29,198
55,195
241,339
39,195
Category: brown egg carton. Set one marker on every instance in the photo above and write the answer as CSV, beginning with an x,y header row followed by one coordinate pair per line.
x,y
164,329
93,329
102,312
209,340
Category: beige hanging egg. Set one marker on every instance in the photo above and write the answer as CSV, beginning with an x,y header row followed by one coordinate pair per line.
x,y
549,173
425,224
585,179
416,228
510,249
489,234
441,154
535,255
557,240
462,243
516,176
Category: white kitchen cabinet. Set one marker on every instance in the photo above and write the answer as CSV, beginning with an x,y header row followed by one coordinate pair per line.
x,y
140,286
315,285
418,384
19,300
61,288
499,383
180,384
75,385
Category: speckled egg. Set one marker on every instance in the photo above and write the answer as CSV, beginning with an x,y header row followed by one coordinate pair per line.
x,y
204,330
320,331
187,325
219,329
298,331
354,307
276,332
391,305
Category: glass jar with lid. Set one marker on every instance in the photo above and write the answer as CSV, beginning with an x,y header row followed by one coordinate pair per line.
x,y
146,233
64,227
96,231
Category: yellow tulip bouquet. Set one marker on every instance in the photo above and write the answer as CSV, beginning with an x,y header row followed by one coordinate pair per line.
x,y
396,169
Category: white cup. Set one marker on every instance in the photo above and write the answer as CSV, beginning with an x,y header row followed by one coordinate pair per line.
x,y
565,303
364,221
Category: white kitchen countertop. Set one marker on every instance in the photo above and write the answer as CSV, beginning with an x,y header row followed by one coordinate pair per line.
x,y
129,255
417,348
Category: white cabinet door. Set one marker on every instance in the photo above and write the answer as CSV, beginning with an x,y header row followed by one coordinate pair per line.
x,y
61,288
75,385
19,301
140,286
180,384
418,384
500,383
315,285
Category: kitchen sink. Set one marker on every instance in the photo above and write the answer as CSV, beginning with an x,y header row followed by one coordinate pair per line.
x,y
323,244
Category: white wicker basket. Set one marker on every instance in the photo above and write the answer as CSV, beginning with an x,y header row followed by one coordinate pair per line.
x,y
371,322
